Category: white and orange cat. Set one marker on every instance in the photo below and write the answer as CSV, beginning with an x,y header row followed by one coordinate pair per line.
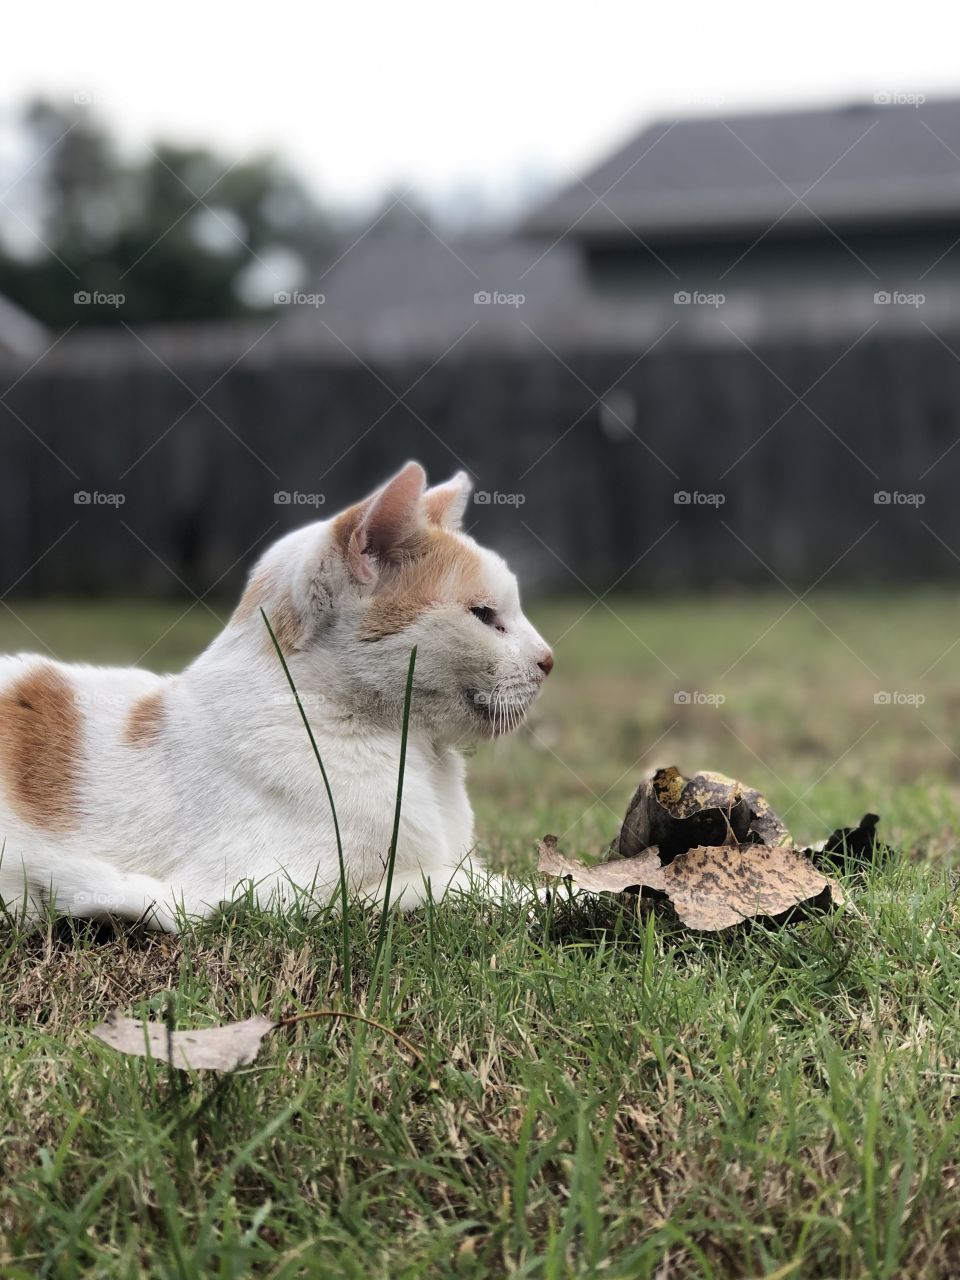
x,y
144,796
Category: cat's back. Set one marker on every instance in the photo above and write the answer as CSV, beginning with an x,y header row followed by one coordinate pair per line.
x,y
73,700
64,730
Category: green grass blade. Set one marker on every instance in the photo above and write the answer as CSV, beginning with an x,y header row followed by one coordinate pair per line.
x,y
333,807
392,855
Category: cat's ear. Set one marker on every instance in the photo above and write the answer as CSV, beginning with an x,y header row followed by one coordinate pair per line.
x,y
446,503
387,521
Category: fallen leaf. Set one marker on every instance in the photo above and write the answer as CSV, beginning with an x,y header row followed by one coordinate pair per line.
x,y
213,1048
218,1048
642,872
677,813
713,888
709,887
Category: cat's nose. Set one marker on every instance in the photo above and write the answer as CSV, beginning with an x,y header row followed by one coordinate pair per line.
x,y
546,663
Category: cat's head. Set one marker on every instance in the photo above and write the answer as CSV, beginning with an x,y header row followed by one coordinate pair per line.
x,y
350,597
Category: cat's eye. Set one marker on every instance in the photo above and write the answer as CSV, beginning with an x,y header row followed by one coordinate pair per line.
x,y
484,613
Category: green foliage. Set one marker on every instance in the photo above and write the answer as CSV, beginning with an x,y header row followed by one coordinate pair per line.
x,y
177,230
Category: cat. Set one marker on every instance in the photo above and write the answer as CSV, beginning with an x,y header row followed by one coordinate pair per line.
x,y
153,798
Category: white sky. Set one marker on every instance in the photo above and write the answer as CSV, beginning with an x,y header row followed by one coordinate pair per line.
x,y
446,97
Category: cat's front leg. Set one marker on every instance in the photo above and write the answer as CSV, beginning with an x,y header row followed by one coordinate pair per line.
x,y
469,878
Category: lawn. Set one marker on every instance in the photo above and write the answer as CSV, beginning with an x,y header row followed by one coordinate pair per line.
x,y
601,1093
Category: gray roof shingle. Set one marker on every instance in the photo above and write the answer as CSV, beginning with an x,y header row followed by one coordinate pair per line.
x,y
862,164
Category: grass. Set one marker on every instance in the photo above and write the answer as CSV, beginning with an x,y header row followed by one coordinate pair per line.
x,y
601,1092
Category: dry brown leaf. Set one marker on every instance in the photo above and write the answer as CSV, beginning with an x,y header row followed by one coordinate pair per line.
x,y
709,888
677,813
218,1048
643,871
213,1048
713,888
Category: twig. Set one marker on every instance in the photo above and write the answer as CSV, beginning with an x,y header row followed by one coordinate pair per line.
x,y
354,1017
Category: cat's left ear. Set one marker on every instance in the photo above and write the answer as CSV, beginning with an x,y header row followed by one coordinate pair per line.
x,y
446,503
381,527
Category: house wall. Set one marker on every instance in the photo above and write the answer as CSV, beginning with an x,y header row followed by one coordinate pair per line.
x,y
903,258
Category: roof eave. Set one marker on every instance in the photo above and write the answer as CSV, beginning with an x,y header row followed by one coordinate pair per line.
x,y
689,220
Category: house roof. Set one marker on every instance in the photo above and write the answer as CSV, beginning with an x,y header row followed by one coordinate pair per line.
x,y
861,164
411,289
407,295
395,294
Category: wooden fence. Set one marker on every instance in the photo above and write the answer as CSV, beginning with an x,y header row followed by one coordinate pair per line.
x,y
116,479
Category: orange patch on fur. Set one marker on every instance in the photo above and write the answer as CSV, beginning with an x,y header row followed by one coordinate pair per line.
x,y
263,592
145,720
40,748
445,571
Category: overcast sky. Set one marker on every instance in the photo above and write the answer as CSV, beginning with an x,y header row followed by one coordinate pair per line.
x,y
445,97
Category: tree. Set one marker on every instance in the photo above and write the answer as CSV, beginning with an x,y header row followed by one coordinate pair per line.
x,y
182,234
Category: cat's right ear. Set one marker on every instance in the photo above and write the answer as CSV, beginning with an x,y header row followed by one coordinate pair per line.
x,y
446,503
379,528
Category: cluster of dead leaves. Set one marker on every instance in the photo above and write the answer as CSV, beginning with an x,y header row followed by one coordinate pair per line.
x,y
715,849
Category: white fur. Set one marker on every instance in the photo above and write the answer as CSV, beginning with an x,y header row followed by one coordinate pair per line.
x,y
229,792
